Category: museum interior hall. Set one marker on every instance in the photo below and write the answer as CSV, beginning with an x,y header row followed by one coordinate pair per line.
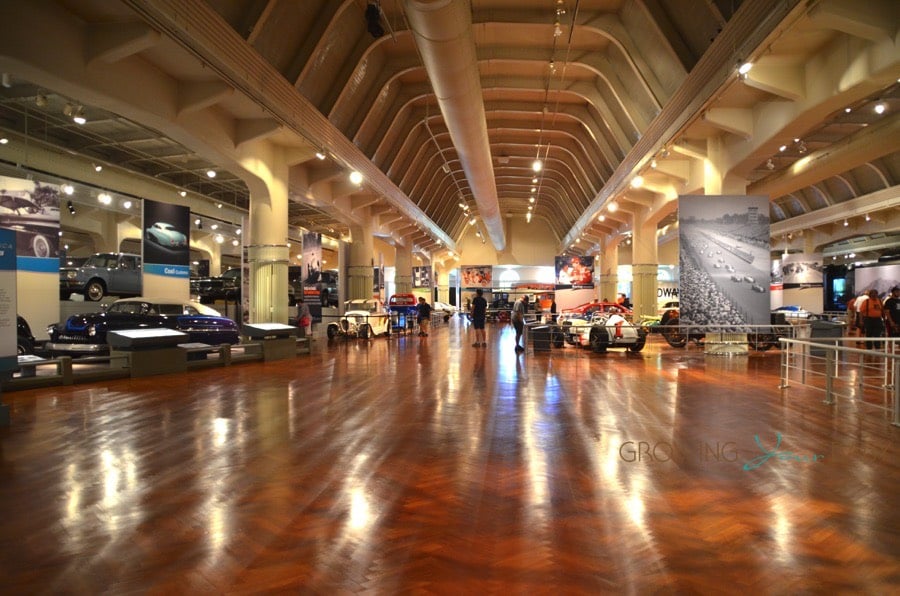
x,y
692,195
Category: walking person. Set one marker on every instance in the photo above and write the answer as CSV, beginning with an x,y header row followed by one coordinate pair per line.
x,y
872,311
304,318
518,319
892,312
479,316
423,317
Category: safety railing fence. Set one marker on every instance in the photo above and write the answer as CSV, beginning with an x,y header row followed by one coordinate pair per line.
x,y
843,370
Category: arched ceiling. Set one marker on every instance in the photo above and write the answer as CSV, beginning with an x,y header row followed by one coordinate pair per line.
x,y
446,110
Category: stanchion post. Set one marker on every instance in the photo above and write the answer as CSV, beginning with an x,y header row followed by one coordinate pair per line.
x,y
829,377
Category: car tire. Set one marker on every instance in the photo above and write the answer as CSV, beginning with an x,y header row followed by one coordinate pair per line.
x,y
40,246
95,290
24,346
558,338
598,341
365,331
673,335
331,331
637,347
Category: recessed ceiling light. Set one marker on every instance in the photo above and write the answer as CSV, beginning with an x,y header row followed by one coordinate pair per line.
x,y
211,173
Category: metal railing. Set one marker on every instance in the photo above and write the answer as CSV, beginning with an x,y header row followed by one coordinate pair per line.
x,y
846,372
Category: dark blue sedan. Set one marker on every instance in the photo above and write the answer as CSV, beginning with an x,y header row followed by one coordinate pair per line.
x,y
85,335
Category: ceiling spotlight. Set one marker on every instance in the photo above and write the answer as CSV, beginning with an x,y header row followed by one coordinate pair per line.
x,y
68,189
653,163
373,19
126,204
446,168
98,168
462,206
557,29
320,154
537,166
238,231
472,221
211,173
613,206
235,242
846,223
531,199
218,205
533,189
868,217
183,193
214,227
78,115
782,148
220,238
528,217
71,208
601,217
104,198
744,68
637,182
770,165
41,100
880,107
198,222
534,180
4,141
356,178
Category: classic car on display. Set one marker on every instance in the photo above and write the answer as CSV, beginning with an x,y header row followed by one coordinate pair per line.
x,y
225,287
362,319
24,337
572,320
102,274
85,334
166,235
444,310
611,330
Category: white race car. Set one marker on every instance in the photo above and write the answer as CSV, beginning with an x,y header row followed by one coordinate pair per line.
x,y
611,331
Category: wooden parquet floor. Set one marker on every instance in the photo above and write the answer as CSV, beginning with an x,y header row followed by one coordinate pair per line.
x,y
425,466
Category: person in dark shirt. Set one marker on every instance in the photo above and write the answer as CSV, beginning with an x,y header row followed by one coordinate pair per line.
x,y
892,312
423,317
479,315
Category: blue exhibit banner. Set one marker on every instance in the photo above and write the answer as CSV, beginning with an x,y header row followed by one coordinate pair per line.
x,y
183,271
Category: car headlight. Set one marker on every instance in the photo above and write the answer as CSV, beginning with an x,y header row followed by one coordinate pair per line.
x,y
92,330
70,274
51,329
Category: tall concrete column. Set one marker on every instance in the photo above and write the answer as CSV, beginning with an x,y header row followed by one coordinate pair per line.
x,y
268,254
403,268
360,276
442,283
609,270
644,266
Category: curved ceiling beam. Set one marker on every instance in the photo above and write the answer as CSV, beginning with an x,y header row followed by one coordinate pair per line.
x,y
443,32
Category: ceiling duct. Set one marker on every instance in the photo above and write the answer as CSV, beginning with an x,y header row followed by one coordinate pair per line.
x,y
443,33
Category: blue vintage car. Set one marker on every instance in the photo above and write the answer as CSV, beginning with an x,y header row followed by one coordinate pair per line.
x,y
85,335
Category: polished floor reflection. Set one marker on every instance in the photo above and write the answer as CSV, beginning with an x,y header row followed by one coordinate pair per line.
x,y
424,465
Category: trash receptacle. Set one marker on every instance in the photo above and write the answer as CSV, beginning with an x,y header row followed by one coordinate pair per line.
x,y
825,330
540,337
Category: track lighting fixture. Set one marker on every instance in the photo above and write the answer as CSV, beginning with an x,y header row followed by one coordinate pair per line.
x,y
78,115
770,165
846,223
445,168
320,154
71,208
373,19
97,167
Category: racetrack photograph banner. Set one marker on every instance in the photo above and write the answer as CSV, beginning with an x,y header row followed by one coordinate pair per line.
x,y
724,260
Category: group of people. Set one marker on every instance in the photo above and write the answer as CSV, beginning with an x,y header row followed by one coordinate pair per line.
x,y
874,317
478,313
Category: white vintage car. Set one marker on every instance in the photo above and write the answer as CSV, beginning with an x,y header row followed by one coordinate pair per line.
x,y
610,330
363,319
